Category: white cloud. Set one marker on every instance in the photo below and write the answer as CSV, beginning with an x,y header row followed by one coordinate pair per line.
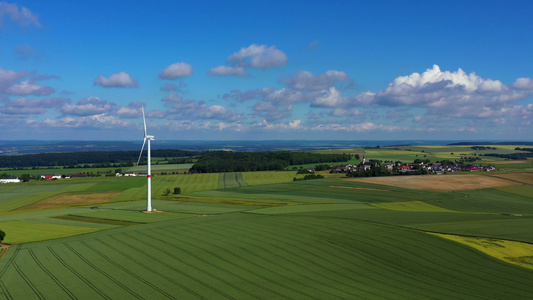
x,y
172,98
176,70
180,109
523,83
121,79
361,127
9,78
331,98
285,97
170,87
99,121
22,16
339,112
27,87
258,56
225,71
292,125
447,94
305,80
446,87
89,106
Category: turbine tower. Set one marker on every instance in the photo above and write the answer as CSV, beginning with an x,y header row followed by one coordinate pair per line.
x,y
149,164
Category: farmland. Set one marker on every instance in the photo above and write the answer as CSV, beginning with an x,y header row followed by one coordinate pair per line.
x,y
244,235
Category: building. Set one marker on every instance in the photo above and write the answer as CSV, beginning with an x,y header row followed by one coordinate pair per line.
x,y
10,180
50,177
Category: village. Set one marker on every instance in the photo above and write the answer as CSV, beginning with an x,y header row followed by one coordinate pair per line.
x,y
403,168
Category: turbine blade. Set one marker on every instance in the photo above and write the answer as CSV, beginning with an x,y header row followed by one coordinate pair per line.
x,y
144,122
140,154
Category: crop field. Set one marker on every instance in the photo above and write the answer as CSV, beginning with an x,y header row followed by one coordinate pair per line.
x,y
440,182
261,235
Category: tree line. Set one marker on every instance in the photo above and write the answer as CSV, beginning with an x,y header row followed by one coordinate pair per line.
x,y
89,157
220,161
514,156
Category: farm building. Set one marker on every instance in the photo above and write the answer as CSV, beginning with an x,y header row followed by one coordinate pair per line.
x,y
10,180
50,177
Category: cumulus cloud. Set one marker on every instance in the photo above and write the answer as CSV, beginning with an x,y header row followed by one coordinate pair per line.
x,y
11,84
25,106
435,85
258,56
27,87
181,109
225,71
88,106
339,112
121,79
454,94
254,56
176,70
331,98
271,112
9,78
23,16
295,124
360,127
523,83
305,80
99,121
256,94
170,87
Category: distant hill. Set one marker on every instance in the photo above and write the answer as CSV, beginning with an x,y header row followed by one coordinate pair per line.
x,y
489,143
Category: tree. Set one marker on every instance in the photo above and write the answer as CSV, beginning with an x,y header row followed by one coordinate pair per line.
x,y
2,235
177,191
166,193
25,177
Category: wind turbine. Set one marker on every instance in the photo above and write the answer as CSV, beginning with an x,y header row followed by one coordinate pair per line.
x,y
149,164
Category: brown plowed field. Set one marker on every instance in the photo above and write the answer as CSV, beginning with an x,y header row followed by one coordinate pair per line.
x,y
522,177
444,183
72,200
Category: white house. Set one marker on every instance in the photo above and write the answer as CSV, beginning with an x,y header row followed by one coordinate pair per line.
x,y
10,180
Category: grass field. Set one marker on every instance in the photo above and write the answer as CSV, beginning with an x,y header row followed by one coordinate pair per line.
x,y
261,235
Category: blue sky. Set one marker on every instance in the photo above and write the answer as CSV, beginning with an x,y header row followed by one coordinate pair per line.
x,y
261,70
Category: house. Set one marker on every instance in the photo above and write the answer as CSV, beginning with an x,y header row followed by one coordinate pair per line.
x,y
130,174
367,165
490,168
10,180
50,177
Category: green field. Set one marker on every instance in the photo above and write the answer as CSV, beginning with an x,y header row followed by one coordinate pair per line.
x,y
261,235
